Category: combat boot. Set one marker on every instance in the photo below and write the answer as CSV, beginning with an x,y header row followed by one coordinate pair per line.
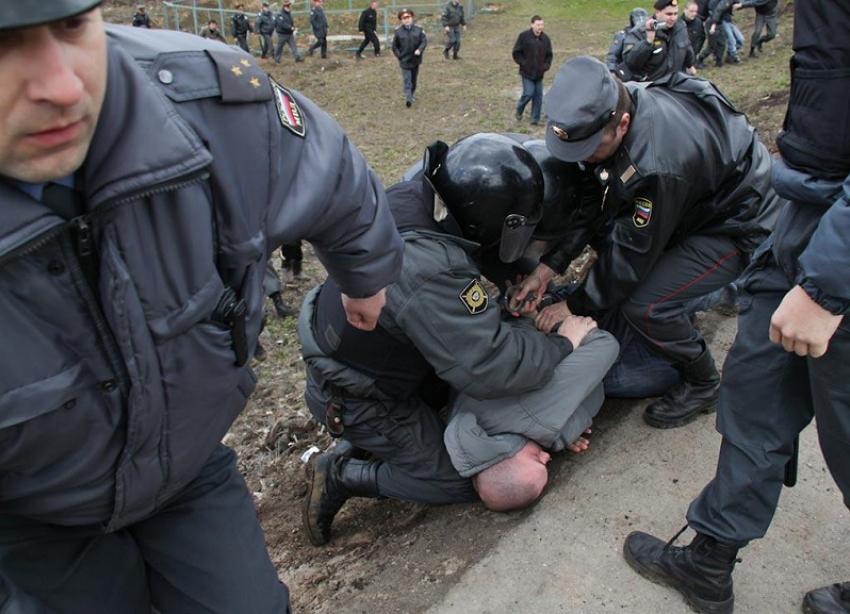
x,y
282,309
332,480
696,394
834,599
753,52
701,571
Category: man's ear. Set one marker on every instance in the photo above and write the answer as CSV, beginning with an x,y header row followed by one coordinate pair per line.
x,y
623,126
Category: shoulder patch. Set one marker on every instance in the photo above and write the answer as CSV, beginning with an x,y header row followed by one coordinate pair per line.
x,y
643,212
287,109
239,76
474,297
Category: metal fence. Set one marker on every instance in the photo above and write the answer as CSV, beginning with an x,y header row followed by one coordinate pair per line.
x,y
343,15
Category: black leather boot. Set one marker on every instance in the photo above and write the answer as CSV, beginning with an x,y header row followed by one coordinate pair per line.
x,y
753,52
332,480
697,394
282,309
701,571
833,599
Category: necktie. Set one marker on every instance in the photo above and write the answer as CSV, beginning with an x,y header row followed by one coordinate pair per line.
x,y
65,202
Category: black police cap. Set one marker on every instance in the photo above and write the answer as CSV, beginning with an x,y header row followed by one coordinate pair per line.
x,y
27,13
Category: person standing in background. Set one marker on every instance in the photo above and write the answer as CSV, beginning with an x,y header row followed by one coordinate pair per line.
x,y
367,26
533,52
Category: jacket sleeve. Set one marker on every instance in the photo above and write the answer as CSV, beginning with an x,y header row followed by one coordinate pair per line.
x,y
397,45
636,51
423,41
477,354
826,260
615,51
361,25
547,61
444,18
518,52
630,251
325,192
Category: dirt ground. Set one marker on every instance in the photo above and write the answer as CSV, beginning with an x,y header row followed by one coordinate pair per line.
x,y
387,556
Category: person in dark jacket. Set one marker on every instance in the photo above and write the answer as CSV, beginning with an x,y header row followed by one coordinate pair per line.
x,y
367,25
533,52
141,19
716,38
696,28
660,47
212,32
614,56
766,16
240,26
131,269
453,22
286,32
515,390
264,27
788,363
319,25
722,21
409,42
675,223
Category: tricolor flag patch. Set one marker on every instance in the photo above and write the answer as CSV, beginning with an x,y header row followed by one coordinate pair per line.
x,y
288,111
643,212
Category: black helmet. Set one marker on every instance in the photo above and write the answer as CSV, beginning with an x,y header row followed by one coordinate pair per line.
x,y
561,195
638,16
489,188
27,13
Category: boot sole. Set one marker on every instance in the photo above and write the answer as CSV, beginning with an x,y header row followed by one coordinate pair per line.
x,y
672,424
314,533
695,603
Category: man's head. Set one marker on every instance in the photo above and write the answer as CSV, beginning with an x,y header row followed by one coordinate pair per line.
x,y
488,188
666,12
586,123
49,115
537,25
212,24
317,2
516,482
287,6
140,8
405,16
691,11
239,7
373,4
265,8
638,16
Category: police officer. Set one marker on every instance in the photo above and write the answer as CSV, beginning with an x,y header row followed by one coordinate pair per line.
x,y
660,47
409,42
614,57
788,363
131,267
240,26
381,391
286,31
453,22
141,19
766,16
264,26
319,25
367,25
676,222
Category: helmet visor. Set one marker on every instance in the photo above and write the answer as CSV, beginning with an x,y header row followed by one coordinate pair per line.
x,y
516,233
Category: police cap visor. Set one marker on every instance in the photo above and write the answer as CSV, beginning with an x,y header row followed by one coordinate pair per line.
x,y
27,13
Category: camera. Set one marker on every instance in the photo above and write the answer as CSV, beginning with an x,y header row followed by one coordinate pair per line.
x,y
657,26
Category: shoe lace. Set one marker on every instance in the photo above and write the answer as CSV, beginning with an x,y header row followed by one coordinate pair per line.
x,y
677,551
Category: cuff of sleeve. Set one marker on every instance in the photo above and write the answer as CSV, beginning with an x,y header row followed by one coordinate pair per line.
x,y
556,261
564,344
833,304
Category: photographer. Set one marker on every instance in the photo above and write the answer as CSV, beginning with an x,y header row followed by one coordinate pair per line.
x,y
660,45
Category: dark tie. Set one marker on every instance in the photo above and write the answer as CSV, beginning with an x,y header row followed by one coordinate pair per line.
x,y
65,202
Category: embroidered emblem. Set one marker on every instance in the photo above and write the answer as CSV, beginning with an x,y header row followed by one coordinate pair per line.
x,y
287,110
236,71
474,297
254,81
560,133
643,212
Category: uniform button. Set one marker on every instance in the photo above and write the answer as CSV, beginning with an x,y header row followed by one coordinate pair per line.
x,y
70,404
55,267
165,76
108,385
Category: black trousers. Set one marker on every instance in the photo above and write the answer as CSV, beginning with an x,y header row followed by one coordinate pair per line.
x,y
369,36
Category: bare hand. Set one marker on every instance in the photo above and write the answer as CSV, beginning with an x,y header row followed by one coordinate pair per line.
x,y
692,70
363,313
575,328
581,444
533,284
551,316
712,29
802,326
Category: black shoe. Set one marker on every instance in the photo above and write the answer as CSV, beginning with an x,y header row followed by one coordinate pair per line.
x,y
446,53
332,480
358,55
834,599
534,123
408,104
752,53
377,54
282,309
455,57
718,63
735,59
299,59
518,116
259,352
310,52
701,571
759,46
697,394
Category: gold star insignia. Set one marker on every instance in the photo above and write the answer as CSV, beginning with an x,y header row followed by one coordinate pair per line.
x,y
254,81
245,63
236,71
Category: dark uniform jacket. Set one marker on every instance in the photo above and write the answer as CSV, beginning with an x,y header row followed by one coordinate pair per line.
x,y
671,179
533,54
669,52
696,32
265,22
318,22
452,15
240,25
811,238
368,20
405,42
766,8
141,20
124,374
284,24
614,56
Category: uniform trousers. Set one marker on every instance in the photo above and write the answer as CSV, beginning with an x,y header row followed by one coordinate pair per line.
x,y
453,42
369,36
767,397
763,21
242,41
409,77
201,552
285,39
265,44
